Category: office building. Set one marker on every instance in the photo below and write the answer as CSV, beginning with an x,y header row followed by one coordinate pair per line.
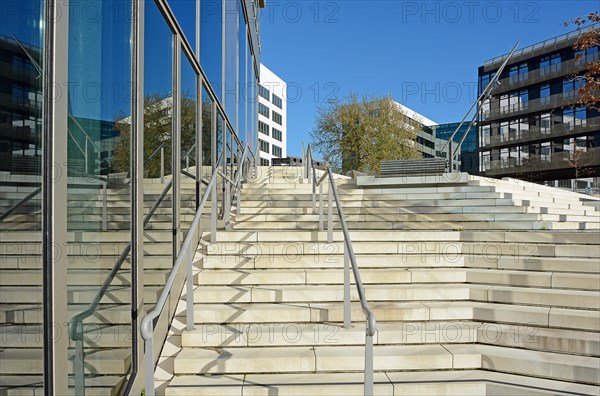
x,y
272,116
531,127
466,160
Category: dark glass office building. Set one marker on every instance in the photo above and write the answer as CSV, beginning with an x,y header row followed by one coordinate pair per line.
x,y
468,156
531,128
114,115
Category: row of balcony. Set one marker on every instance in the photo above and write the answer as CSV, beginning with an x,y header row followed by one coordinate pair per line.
x,y
536,133
545,45
530,106
545,73
542,162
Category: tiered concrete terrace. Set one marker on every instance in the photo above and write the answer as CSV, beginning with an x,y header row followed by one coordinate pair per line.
x,y
479,287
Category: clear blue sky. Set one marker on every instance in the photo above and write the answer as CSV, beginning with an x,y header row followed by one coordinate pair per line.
x,y
425,54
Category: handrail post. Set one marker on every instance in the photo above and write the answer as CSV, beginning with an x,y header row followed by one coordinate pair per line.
x,y
368,363
187,163
85,156
314,194
347,307
227,204
149,350
78,361
213,214
330,213
162,165
189,299
321,206
104,206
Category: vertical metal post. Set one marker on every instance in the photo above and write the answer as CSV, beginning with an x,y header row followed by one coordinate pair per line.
x,y
189,300
450,156
149,367
227,204
347,311
85,156
330,212
78,362
213,212
321,206
368,365
104,206
187,162
162,165
314,192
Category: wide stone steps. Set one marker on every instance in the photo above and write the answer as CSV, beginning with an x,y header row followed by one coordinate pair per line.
x,y
427,332
396,275
418,383
387,358
315,312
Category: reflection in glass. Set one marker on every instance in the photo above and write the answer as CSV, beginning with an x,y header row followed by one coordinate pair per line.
x,y
211,34
21,99
99,194
188,145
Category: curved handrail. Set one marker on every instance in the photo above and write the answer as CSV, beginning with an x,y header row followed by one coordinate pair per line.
x,y
371,328
186,253
371,322
77,320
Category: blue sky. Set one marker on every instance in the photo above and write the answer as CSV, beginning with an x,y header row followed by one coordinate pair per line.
x,y
425,54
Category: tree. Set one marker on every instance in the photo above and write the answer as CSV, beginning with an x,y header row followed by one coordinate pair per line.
x,y
589,92
158,129
353,134
579,161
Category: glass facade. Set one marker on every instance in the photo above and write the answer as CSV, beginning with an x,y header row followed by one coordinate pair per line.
x,y
532,126
104,159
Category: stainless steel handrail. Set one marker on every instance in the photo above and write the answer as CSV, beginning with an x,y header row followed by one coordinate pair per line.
x,y
76,322
349,258
187,254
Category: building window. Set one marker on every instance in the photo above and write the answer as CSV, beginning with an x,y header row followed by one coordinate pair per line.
x,y
263,128
276,151
263,110
574,116
518,72
277,101
277,134
264,92
277,118
572,85
264,146
264,162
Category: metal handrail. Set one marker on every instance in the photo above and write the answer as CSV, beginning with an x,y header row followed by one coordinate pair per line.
x,y
16,206
187,254
76,322
154,153
349,258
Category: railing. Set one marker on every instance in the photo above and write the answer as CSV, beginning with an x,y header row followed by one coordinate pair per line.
x,y
542,133
552,41
76,323
349,258
186,255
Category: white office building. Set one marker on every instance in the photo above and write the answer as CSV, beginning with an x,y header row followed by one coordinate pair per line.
x,y
272,116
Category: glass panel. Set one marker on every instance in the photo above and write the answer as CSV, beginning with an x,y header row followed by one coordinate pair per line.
x,y
207,135
185,13
211,34
99,193
231,62
188,145
21,169
242,103
158,142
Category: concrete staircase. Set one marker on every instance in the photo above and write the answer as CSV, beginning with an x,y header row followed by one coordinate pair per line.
x,y
91,255
478,286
